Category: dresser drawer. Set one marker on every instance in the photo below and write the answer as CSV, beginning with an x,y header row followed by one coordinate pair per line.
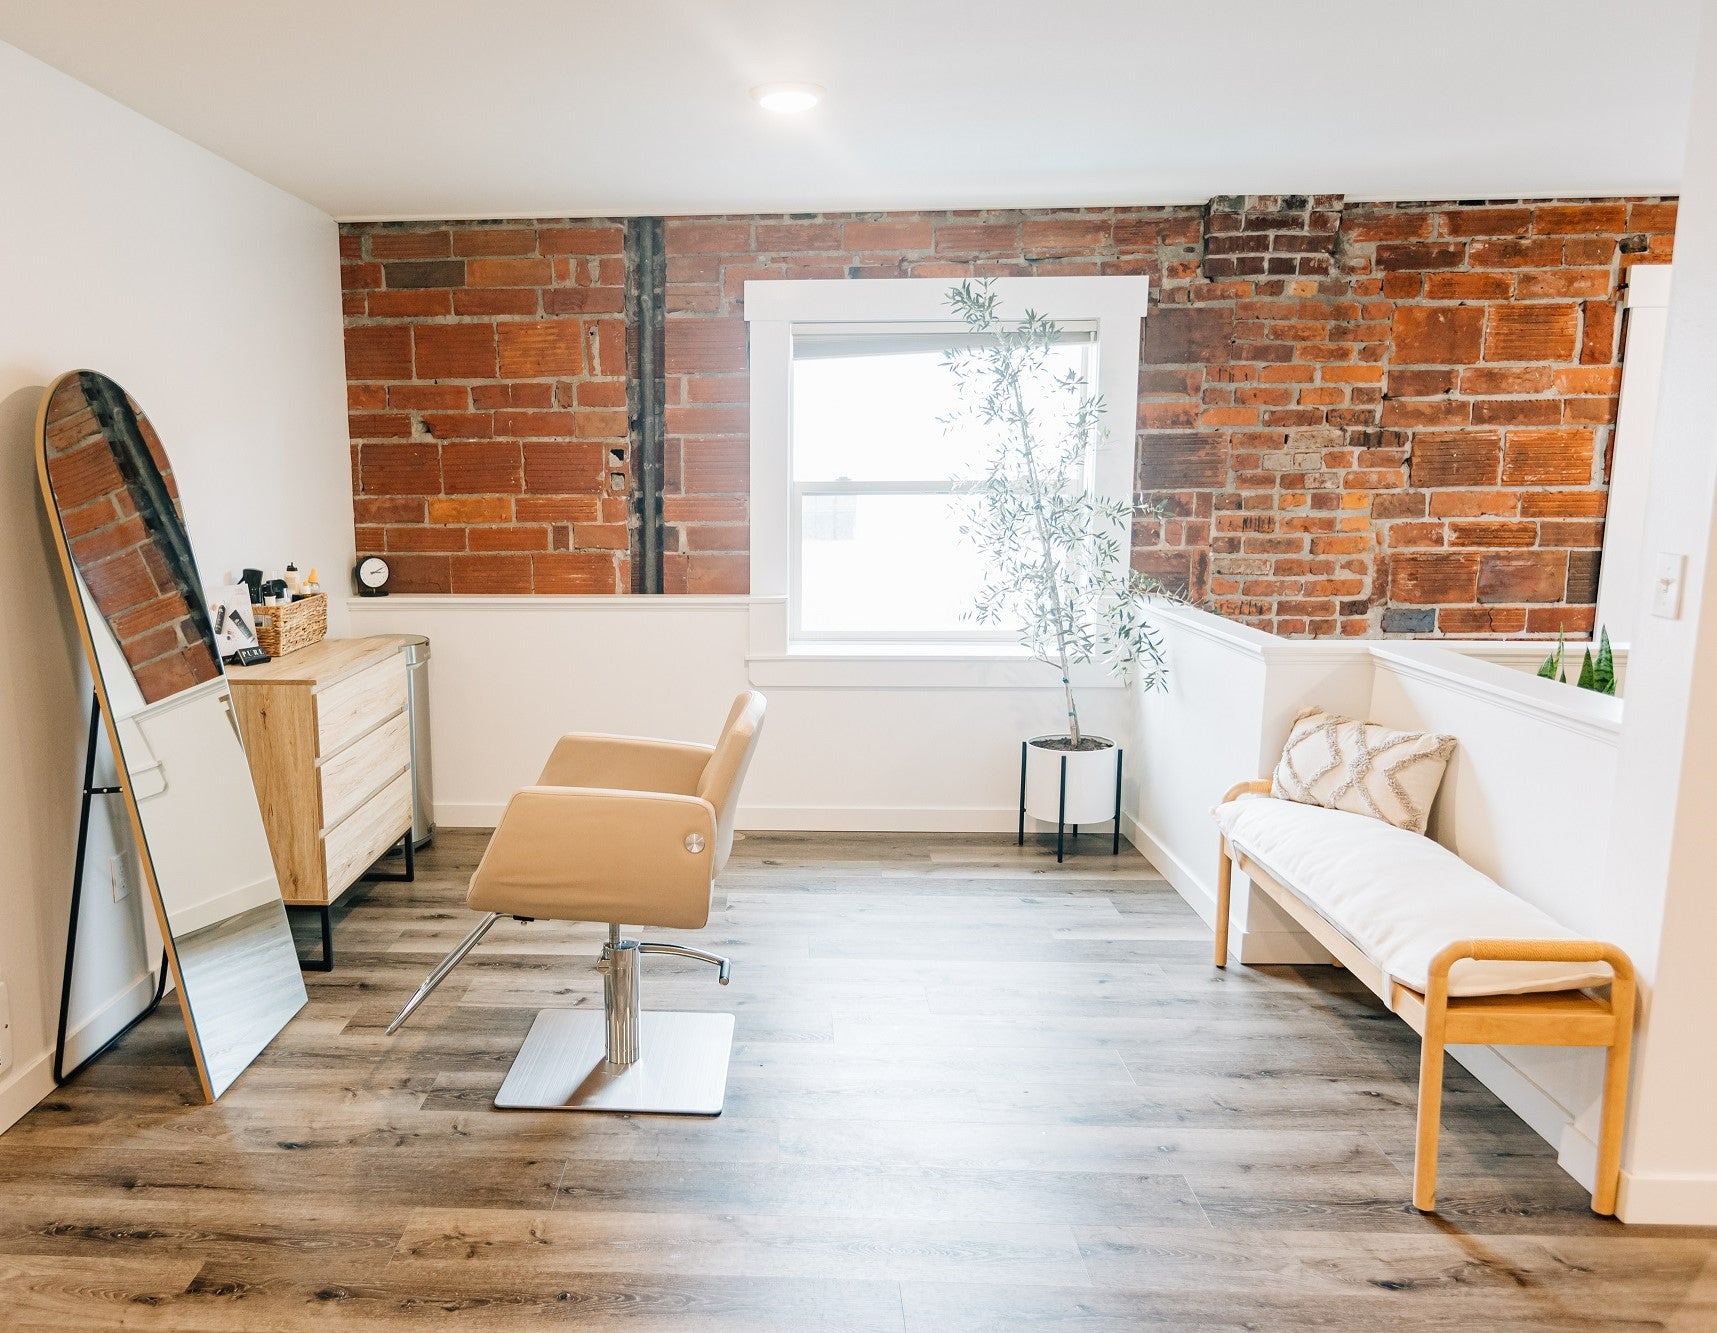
x,y
348,708
353,845
356,771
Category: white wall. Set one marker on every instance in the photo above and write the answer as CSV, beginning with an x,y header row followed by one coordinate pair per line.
x,y
508,675
214,299
1664,843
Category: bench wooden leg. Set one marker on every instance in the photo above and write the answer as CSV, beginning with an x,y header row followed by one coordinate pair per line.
x,y
1224,883
1430,1111
1608,1180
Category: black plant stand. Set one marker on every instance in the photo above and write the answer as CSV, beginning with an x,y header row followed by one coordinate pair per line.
x,y
1061,810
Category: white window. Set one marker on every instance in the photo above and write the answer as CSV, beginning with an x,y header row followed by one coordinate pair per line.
x,y
855,483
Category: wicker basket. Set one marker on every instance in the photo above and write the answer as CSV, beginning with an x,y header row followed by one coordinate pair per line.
x,y
287,628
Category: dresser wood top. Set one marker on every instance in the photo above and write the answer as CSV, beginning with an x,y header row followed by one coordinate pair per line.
x,y
322,663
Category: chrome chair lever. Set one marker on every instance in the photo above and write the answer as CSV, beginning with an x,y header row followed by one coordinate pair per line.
x,y
724,966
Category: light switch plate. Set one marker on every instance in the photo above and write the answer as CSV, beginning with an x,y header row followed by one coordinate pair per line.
x,y
121,876
1666,582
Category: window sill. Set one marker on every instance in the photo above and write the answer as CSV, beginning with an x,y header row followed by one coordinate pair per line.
x,y
914,666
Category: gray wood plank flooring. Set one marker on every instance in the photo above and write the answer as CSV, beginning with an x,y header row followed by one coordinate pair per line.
x,y
971,1089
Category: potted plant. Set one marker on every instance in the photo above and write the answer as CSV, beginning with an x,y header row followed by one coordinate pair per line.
x,y
1057,552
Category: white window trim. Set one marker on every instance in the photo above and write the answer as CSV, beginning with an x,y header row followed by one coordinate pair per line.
x,y
1117,305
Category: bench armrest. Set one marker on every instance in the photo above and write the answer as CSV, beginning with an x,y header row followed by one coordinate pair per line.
x,y
593,854
625,763
1254,787
1529,951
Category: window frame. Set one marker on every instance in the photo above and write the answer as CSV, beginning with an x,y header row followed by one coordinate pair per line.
x,y
1113,307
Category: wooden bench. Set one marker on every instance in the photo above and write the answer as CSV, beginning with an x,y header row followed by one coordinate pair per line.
x,y
1545,1018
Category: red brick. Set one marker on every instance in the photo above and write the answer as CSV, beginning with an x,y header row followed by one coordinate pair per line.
x,y
1456,458
1486,221
706,237
1532,333
473,574
1579,219
481,468
512,537
894,236
1178,335
400,469
576,572
454,351
419,573
494,241
704,346
1077,236
1437,335
542,348
1523,576
495,301
1547,457
1432,578
387,244
410,304
381,352
425,539
563,466
581,240
471,509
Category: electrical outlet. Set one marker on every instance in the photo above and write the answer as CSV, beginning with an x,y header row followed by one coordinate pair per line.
x,y
5,1031
120,875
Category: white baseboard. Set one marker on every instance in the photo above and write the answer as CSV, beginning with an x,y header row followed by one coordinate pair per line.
x,y
27,1086
1667,1200
1576,1151
35,1080
1180,875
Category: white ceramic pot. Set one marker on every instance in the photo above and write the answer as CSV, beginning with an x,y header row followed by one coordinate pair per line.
x,y
1090,781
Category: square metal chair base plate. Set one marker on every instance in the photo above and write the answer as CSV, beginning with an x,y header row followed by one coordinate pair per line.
x,y
563,1065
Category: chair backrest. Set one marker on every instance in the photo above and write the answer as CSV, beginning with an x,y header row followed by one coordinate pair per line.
x,y
725,772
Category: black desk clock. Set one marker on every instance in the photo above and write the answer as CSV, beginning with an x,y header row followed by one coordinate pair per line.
x,y
371,575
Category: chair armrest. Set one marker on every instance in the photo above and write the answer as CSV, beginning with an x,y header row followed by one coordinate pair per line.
x,y
625,763
599,854
1253,787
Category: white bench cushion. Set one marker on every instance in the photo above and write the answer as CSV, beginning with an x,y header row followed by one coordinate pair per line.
x,y
1399,896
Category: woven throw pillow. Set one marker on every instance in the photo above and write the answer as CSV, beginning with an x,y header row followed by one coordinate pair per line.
x,y
1344,764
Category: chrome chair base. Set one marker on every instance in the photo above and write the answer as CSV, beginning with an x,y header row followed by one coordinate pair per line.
x,y
681,1068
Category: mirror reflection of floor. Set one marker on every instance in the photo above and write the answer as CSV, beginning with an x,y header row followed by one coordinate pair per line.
x,y
241,975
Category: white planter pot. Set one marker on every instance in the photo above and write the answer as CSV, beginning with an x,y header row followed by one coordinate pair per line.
x,y
1090,782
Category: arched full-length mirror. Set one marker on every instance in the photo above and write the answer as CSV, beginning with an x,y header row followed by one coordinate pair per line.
x,y
115,513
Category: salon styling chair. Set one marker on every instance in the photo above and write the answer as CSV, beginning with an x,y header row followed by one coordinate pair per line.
x,y
617,830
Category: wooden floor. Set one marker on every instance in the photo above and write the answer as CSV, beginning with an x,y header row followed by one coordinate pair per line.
x,y
971,1090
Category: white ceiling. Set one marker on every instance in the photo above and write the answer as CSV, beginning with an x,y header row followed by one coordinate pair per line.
x,y
495,108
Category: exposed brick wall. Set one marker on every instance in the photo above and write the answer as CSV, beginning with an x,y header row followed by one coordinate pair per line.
x,y
487,388
1358,419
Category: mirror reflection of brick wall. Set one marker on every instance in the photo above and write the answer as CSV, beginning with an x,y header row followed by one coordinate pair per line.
x,y
117,499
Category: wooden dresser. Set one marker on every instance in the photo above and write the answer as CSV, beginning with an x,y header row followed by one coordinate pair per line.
x,y
326,733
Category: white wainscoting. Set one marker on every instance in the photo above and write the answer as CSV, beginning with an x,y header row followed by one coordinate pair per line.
x,y
848,744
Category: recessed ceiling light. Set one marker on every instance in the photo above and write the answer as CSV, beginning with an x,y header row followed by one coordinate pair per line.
x,y
787,99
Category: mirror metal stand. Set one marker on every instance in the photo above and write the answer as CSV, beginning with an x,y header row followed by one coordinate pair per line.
x,y
90,792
